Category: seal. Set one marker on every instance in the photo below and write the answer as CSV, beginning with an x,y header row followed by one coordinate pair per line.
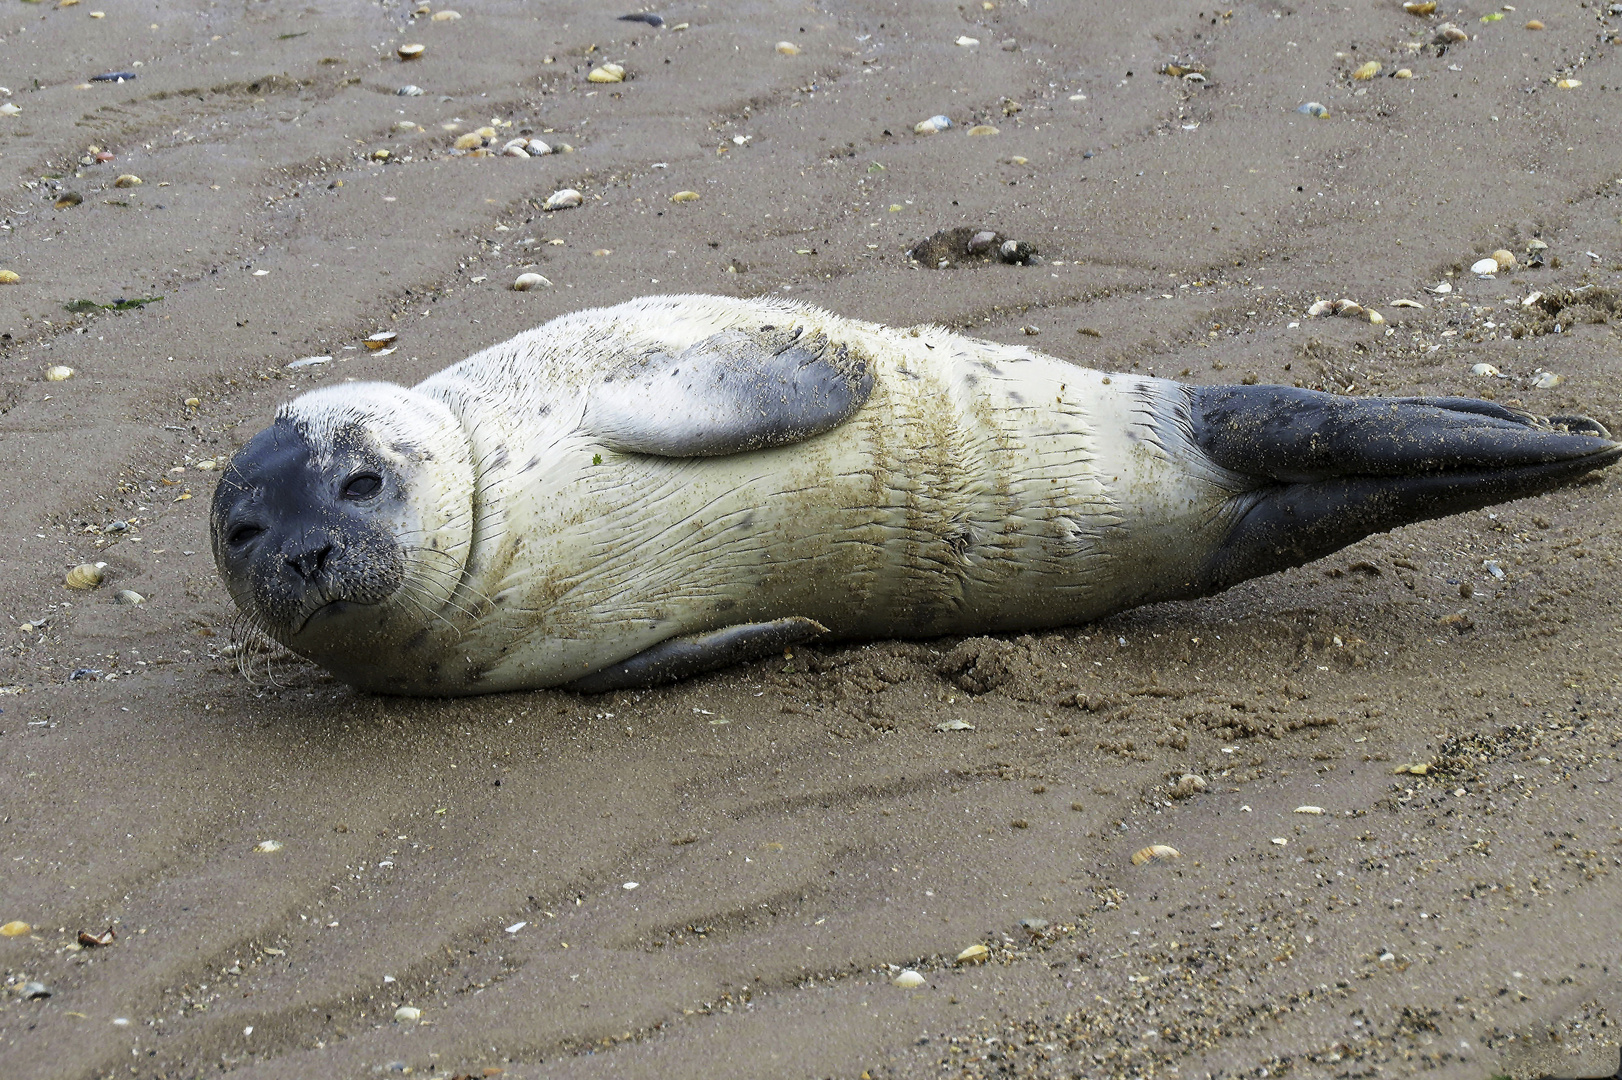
x,y
639,493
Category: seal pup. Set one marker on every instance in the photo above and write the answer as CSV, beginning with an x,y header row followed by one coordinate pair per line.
x,y
639,493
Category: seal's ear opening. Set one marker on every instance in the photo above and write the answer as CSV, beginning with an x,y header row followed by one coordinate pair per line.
x,y
1330,470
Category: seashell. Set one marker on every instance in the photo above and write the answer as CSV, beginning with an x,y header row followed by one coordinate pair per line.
x,y
468,141
1441,288
380,155
1547,380
536,148
908,980
1281,841
85,576
966,41
1366,71
307,362
526,282
411,52
984,129
1485,267
1534,24
1486,371
563,200
128,597
788,48
15,928
1375,317
974,954
954,725
685,196
407,1014
1015,251
1321,307
1348,308
410,90
59,373
1194,77
9,277
381,340
106,937
1569,84
1402,73
268,847
127,180
606,73
1448,34
1314,109
1414,770
514,151
932,125
1188,785
982,242
1536,245
1420,7
1155,853
1408,304
69,198
446,16
1532,299
1309,810
1504,259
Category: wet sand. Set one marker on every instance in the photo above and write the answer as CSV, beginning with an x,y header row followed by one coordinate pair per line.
x,y
798,832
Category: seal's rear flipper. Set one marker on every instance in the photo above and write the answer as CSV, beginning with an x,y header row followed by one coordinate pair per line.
x,y
1331,470
682,657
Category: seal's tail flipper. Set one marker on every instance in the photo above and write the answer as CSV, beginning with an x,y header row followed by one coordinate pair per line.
x,y
1330,470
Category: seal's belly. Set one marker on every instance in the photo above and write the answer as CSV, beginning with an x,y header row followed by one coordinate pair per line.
x,y
980,488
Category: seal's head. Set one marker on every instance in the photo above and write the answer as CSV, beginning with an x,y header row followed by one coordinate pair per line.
x,y
342,529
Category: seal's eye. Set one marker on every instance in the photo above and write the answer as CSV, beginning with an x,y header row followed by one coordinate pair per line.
x,y
242,534
363,485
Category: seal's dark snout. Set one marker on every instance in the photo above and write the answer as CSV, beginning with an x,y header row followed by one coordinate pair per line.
x,y
1328,470
310,562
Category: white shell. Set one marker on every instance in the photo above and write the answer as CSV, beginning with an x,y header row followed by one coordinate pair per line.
x,y
1547,380
788,48
536,148
1408,303
966,41
526,282
128,597
1486,370
59,373
1441,288
908,980
1484,267
972,955
1309,810
266,847
1321,307
407,1014
515,151
85,576
1532,299
309,362
562,200
937,123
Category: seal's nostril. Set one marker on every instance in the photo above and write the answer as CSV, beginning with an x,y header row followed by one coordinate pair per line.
x,y
310,563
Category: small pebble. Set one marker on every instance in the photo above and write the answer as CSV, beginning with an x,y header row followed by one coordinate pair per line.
x,y
563,200
1485,267
1309,810
407,1014
33,990
606,73
629,885
984,129
411,52
1492,567
526,282
59,373
933,125
1535,24
1314,109
1281,841
1403,73
1188,785
267,847
648,17
908,980
1374,316
966,41
788,48
1420,7
15,928
982,242
1015,251
1532,299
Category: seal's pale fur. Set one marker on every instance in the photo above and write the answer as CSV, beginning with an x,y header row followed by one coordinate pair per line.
x,y
982,487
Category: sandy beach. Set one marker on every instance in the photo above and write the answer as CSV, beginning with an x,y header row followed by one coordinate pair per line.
x,y
724,877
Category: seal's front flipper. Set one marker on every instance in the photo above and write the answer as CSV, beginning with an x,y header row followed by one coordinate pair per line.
x,y
1330,470
734,391
682,657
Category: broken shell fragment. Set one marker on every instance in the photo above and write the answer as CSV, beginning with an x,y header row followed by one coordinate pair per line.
x,y
128,597
1374,317
972,955
15,928
1532,298
1366,71
1485,267
685,196
410,90
1448,34
606,73
1314,109
85,576
471,141
445,16
954,725
526,282
984,129
407,1014
1535,24
908,980
1321,307
1403,73
1441,288
70,198
267,847
1504,258
1309,810
32,990
381,340
59,373
1486,371
106,937
1568,84
127,180
1155,853
1420,7
1188,785
563,200
1408,304
788,48
411,52
1547,380
1415,770
934,124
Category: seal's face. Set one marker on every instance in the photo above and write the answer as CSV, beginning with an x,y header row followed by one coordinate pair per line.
x,y
345,524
